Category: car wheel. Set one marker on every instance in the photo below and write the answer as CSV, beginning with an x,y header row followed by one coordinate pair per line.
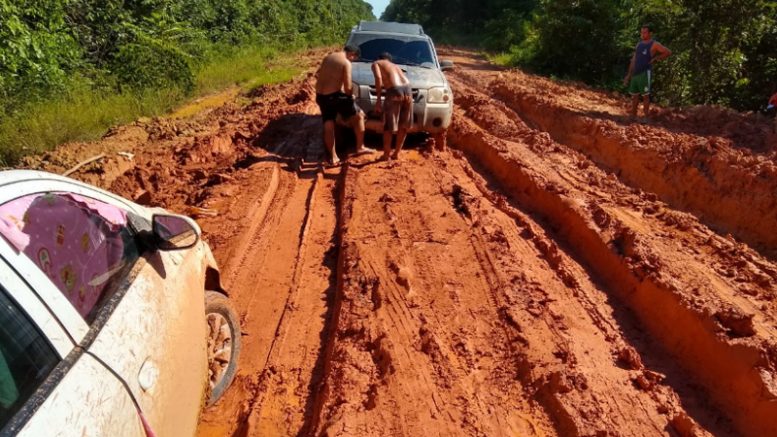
x,y
223,344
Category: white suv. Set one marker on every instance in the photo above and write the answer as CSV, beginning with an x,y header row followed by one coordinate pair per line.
x,y
112,318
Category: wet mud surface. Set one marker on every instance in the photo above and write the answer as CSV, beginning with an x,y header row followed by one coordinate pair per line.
x,y
560,270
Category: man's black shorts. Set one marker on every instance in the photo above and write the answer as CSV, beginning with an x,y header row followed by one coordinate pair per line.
x,y
336,103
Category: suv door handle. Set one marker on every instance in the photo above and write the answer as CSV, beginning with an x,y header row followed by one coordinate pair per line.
x,y
148,375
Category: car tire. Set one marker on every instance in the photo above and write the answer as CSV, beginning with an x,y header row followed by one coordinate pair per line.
x,y
223,328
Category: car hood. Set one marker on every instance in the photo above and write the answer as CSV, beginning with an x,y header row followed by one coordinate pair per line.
x,y
419,77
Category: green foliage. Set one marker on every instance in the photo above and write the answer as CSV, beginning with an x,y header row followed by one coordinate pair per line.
x,y
724,52
36,50
57,53
83,113
493,24
153,63
80,115
247,66
140,44
575,39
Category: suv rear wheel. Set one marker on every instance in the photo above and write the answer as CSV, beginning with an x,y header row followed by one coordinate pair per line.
x,y
223,344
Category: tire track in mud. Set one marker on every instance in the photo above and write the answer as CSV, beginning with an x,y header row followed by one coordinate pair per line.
x,y
741,378
584,391
387,348
585,383
297,254
282,404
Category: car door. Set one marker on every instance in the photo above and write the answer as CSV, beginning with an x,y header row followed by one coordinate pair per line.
x,y
156,338
48,386
140,314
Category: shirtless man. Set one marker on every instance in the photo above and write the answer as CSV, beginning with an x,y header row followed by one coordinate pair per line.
x,y
398,113
334,96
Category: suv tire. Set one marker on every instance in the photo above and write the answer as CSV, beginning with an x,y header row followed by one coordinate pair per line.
x,y
223,344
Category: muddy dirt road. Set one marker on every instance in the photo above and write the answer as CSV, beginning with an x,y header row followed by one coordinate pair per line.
x,y
559,271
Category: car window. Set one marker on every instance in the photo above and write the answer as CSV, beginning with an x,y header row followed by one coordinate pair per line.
x,y
26,357
403,50
79,243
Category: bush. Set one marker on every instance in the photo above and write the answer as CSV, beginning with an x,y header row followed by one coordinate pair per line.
x,y
150,63
102,62
576,39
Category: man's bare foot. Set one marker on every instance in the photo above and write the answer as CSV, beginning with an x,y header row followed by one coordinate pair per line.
x,y
333,161
363,151
385,157
395,156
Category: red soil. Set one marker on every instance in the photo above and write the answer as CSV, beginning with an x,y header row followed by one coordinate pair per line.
x,y
560,271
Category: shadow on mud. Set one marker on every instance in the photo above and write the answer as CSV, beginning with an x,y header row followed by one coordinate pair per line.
x,y
291,135
297,139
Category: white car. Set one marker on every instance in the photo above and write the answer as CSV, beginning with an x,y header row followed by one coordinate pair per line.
x,y
113,321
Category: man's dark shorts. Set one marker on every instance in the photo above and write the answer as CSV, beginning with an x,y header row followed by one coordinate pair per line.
x,y
398,110
336,103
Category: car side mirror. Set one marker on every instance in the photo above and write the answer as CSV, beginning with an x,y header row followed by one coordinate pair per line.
x,y
174,232
446,65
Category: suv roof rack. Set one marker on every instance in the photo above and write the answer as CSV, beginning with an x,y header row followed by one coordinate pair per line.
x,y
390,27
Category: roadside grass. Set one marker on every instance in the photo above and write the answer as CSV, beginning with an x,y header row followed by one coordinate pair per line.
x,y
247,67
79,116
502,59
85,114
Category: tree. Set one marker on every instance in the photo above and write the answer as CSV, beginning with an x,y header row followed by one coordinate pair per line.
x,y
577,39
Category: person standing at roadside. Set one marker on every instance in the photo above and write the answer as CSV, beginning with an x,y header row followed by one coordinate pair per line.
x,y
640,76
772,108
334,96
398,110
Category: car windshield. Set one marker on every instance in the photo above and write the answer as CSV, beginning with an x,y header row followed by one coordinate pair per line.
x,y
405,50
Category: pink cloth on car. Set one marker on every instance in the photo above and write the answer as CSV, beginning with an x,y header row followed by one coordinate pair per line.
x,y
76,241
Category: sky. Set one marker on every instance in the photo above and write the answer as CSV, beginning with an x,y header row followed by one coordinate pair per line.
x,y
378,6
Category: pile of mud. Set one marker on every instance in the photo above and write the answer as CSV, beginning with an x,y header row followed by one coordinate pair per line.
x,y
718,165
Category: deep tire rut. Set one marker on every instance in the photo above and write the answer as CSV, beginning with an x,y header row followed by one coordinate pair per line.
x,y
688,333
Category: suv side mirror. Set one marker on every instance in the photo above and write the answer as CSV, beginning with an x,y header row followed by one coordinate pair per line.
x,y
174,232
446,65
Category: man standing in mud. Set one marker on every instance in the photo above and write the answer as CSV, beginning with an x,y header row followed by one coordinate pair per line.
x,y
640,75
398,110
334,97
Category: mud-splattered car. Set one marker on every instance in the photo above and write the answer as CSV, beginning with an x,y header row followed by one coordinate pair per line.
x,y
415,54
112,317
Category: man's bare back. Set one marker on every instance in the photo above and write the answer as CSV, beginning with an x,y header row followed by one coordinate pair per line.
x,y
390,74
334,74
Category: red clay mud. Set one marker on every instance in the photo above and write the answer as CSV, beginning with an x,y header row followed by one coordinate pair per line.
x,y
561,271
716,176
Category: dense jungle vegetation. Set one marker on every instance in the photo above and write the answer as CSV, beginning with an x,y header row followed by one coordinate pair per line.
x,y
69,68
725,51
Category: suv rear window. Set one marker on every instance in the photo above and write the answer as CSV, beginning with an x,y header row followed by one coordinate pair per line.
x,y
406,50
